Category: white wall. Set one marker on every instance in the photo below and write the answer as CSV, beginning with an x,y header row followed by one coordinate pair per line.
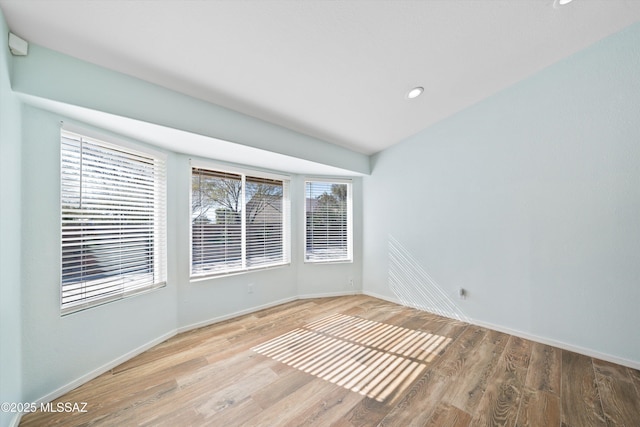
x,y
530,200
10,223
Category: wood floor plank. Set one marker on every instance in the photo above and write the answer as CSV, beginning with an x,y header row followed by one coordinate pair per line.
x,y
501,399
285,385
538,408
352,305
165,417
234,392
544,370
381,312
123,404
635,377
118,409
174,349
369,411
608,369
476,373
293,307
327,409
581,404
456,355
131,382
224,371
238,414
419,402
286,409
448,416
412,319
198,388
418,369
620,399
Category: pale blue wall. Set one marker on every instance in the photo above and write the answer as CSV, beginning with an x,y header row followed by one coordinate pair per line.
x,y
530,200
59,350
208,299
314,278
56,352
54,76
10,222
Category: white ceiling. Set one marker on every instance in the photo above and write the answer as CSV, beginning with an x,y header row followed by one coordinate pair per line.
x,y
335,70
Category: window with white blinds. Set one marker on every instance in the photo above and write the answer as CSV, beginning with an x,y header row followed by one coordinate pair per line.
x,y
239,221
328,216
113,221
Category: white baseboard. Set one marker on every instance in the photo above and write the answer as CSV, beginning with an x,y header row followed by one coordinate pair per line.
x,y
536,338
16,420
104,368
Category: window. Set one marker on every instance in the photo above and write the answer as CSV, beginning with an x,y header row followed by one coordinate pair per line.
x,y
328,235
239,221
113,221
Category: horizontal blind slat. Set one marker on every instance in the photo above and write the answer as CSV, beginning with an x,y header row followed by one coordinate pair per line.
x,y
113,202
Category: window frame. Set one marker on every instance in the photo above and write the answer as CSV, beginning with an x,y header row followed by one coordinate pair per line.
x,y
159,263
349,256
286,217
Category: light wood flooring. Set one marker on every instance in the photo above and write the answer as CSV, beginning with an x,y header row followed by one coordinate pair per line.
x,y
353,361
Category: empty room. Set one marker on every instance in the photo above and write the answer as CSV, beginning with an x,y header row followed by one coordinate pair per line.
x,y
329,213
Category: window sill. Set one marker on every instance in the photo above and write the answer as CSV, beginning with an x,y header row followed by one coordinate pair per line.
x,y
205,277
329,261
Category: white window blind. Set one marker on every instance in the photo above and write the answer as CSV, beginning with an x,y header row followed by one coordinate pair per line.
x,y
113,222
265,220
328,235
240,221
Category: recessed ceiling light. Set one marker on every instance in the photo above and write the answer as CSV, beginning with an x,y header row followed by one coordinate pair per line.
x,y
415,92
558,3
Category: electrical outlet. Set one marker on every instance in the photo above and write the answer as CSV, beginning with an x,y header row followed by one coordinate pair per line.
x,y
351,283
250,288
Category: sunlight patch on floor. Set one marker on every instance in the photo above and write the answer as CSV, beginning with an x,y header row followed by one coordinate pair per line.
x,y
374,359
